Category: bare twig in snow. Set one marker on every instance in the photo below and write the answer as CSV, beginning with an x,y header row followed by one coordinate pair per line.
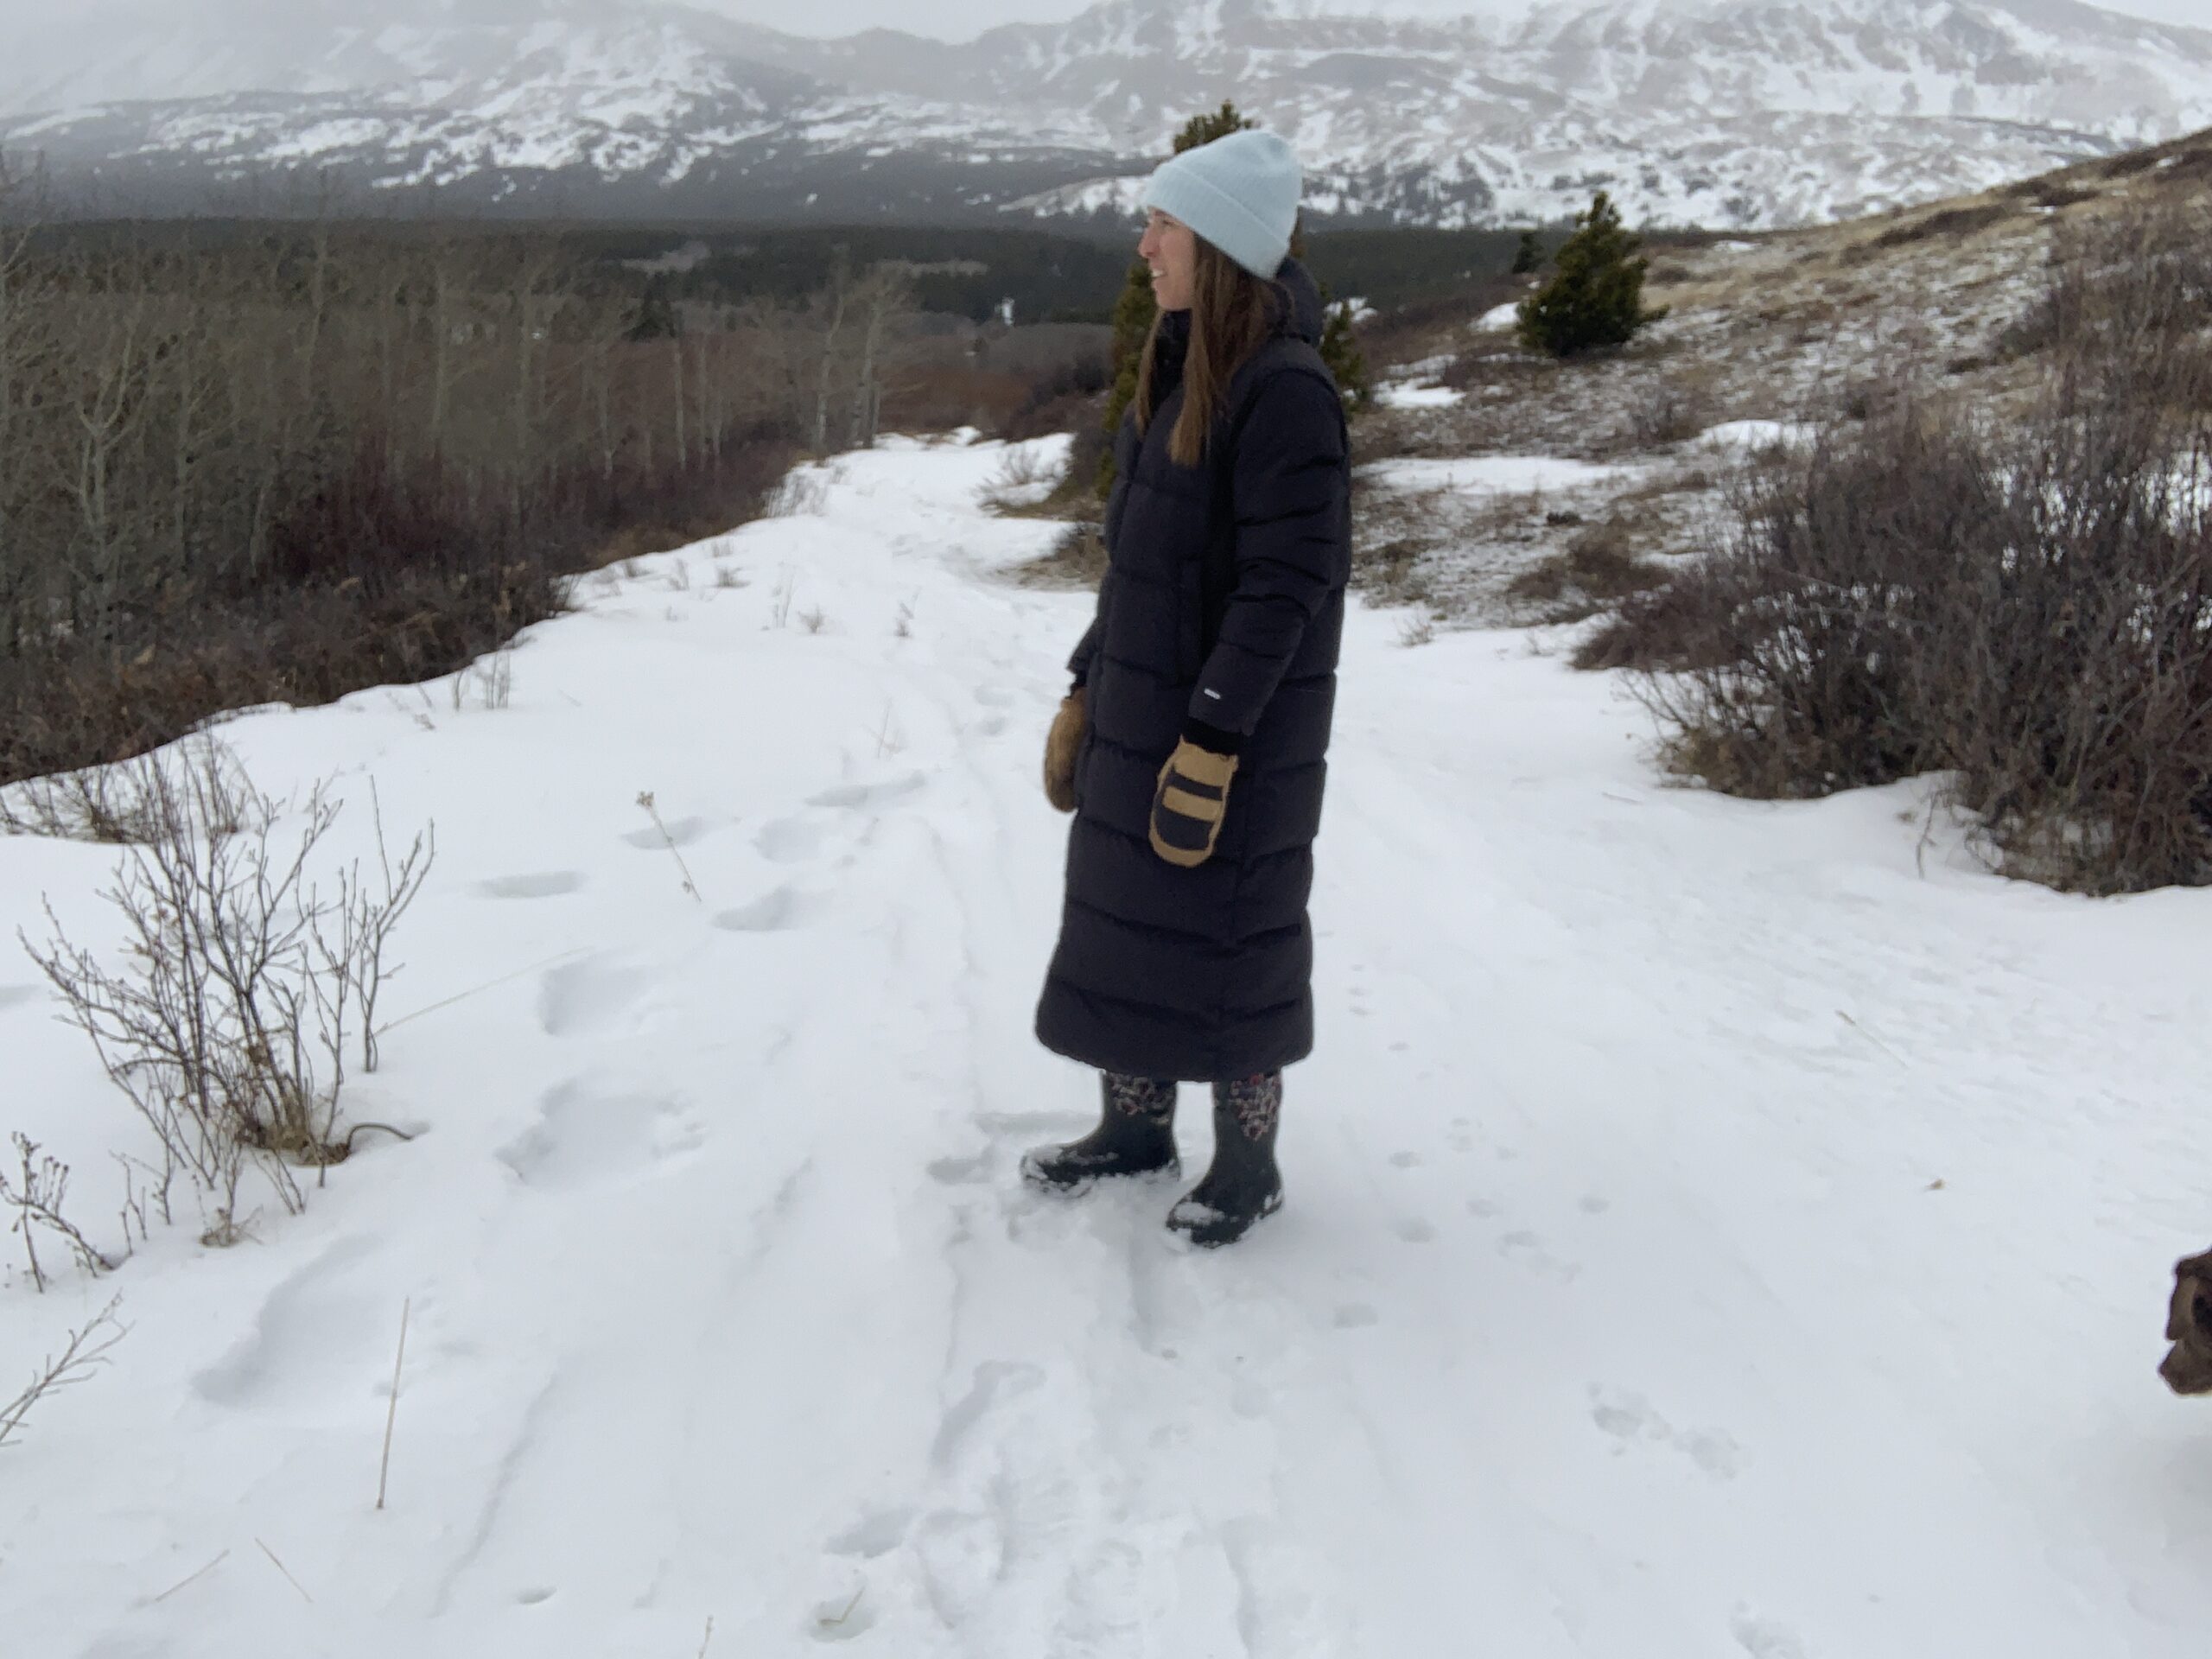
x,y
646,800
86,1351
286,1571
194,1578
36,1198
392,1410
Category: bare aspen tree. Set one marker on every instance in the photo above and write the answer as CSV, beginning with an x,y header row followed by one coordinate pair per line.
x,y
107,402
838,297
16,303
683,444
318,283
885,296
442,346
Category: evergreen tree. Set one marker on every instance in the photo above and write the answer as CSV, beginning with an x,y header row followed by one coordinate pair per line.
x,y
655,317
1134,310
1595,296
1529,256
1341,351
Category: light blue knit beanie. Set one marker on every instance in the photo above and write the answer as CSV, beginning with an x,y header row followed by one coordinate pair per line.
x,y
1239,193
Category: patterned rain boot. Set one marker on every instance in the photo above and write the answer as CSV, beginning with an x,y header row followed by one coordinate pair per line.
x,y
1243,1185
1135,1136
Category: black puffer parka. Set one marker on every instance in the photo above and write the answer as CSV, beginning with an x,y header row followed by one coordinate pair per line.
x,y
1222,605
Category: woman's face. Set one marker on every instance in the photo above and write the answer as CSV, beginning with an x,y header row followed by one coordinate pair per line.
x,y
1171,248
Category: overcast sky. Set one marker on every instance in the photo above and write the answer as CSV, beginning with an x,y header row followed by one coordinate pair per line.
x,y
964,19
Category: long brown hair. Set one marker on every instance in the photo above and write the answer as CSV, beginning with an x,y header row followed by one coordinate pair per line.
x,y
1232,314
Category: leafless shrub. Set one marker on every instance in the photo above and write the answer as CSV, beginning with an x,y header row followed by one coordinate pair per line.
x,y
229,1025
1077,559
490,681
2121,293
1957,222
116,804
37,1196
1597,569
1667,409
802,493
814,620
2027,609
1021,477
86,1353
1420,630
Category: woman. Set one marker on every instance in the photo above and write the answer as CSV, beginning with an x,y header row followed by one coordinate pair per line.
x,y
1192,747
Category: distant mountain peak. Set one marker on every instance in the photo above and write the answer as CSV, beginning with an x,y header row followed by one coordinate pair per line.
x,y
1725,113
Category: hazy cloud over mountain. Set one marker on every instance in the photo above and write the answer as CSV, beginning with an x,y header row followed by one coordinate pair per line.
x,y
963,19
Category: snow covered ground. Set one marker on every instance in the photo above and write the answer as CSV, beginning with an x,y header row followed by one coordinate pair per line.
x,y
1709,1233
1412,394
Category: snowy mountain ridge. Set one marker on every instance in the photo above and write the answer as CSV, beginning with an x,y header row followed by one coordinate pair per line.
x,y
1743,113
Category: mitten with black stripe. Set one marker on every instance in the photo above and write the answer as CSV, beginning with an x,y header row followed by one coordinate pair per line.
x,y
1193,797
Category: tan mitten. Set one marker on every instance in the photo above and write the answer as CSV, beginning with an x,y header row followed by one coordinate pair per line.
x,y
1062,744
1190,804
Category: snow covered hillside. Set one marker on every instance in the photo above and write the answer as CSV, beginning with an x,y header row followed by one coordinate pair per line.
x,y
1709,1231
1716,112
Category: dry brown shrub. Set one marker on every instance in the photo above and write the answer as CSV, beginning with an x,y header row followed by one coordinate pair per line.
x,y
1594,572
1959,222
2028,609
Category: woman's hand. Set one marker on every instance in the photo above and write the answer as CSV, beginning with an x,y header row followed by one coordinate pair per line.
x,y
1062,744
1190,803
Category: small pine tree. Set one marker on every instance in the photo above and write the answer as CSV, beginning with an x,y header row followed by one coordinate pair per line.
x,y
1595,296
1341,351
1134,310
1529,256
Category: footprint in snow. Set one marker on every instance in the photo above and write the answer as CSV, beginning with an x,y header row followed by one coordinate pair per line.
x,y
868,798
547,884
1404,1161
789,840
1414,1231
1527,1249
962,1171
681,831
994,1379
873,1534
313,1340
1765,1638
773,912
1355,1316
838,1620
586,1136
1631,1419
587,995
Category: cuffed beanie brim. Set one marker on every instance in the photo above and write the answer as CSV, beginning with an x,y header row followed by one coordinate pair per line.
x,y
1240,192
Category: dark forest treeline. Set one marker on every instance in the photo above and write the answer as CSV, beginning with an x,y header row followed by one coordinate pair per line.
x,y
285,465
